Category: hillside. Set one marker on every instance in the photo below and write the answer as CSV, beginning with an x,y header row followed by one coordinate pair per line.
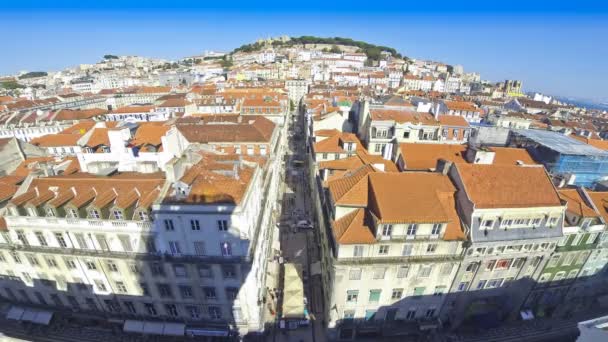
x,y
372,51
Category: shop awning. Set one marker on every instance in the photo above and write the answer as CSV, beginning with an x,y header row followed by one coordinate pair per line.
x,y
29,315
293,298
206,332
155,328
15,313
174,329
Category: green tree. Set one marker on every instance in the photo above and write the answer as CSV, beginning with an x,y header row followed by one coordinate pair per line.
x,y
335,49
292,106
110,57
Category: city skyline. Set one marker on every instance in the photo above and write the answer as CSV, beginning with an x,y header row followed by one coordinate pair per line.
x,y
559,56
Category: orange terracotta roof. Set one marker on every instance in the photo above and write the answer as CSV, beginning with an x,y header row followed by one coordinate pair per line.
x,y
258,129
80,128
98,137
425,156
508,186
462,105
600,201
402,116
149,134
175,102
56,140
511,155
326,132
576,204
341,188
132,109
69,114
354,228
8,187
334,143
360,158
453,120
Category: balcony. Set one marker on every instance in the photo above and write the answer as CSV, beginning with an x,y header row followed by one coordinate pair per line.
x,y
64,223
399,259
213,259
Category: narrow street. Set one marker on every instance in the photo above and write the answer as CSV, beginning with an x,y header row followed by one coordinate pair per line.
x,y
297,245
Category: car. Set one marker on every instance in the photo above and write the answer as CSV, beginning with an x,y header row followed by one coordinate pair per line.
x,y
304,224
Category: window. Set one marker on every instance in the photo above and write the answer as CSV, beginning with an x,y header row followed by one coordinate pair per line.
x,y
214,312
229,271
51,262
157,269
472,267
27,277
481,284
204,271
50,212
125,242
383,249
171,309
387,229
180,271
117,214
82,243
226,249
430,312
402,271
32,260
411,314
494,283
112,266
379,273
503,264
463,286
487,224
231,293
222,225
32,211
195,312
164,290
358,251
100,285
16,257
446,269
144,289
135,269
374,296
348,315
553,221
21,237
169,225
431,248
324,156
559,276
199,247
572,274
518,263
150,309
143,215
425,271
174,247
352,296
209,292
397,294
569,259
419,291
186,291
103,243
195,225
94,213
130,307
554,260
121,287
436,229
41,239
490,265
411,230
591,238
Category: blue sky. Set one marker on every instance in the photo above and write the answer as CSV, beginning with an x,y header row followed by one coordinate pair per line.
x,y
554,47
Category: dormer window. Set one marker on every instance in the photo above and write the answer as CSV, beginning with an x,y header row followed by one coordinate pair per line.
x,y
94,214
144,216
436,229
32,212
72,213
117,214
14,211
50,212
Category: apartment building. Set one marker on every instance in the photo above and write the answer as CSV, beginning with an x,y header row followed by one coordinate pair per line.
x,y
379,127
556,292
468,110
397,242
513,231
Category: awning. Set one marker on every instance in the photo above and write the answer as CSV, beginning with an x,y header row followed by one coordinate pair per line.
x,y
15,313
29,315
133,326
43,317
155,328
174,329
293,292
206,332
